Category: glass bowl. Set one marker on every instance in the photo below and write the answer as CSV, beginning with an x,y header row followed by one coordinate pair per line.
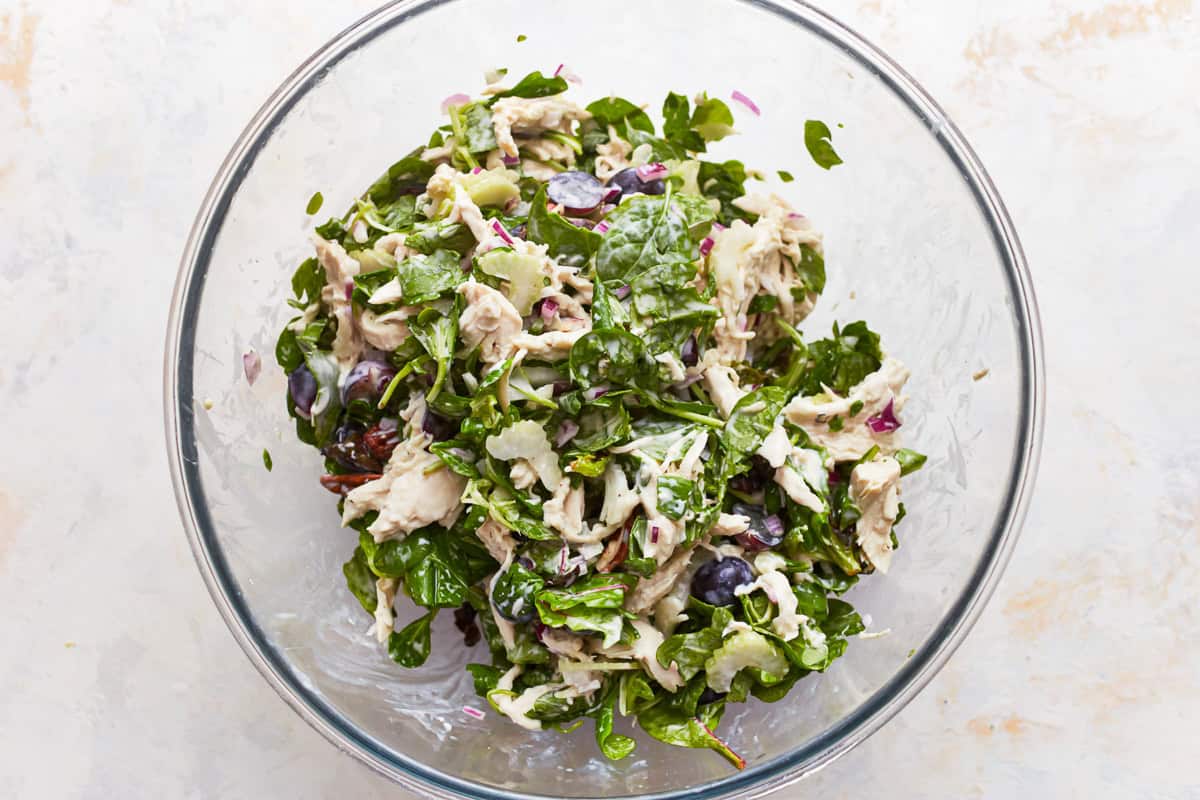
x,y
918,243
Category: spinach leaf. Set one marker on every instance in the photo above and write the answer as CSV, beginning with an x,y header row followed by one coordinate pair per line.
x,y
407,176
367,283
712,120
614,745
410,646
428,237
458,457
398,215
698,215
842,619
910,460
485,677
724,182
818,140
427,277
361,580
689,651
438,566
659,149
677,125
535,84
324,368
674,495
478,132
516,583
307,282
568,244
593,605
811,269
437,333
607,355
745,431
601,427
643,232
842,361
615,111
675,727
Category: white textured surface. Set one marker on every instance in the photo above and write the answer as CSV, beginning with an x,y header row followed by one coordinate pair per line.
x,y
119,677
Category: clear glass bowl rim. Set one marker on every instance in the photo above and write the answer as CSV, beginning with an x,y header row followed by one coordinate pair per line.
x,y
755,781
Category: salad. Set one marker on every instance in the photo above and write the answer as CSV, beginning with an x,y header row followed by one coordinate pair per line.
x,y
552,361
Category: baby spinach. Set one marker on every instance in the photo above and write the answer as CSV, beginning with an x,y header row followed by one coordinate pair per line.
x,y
616,110
614,745
607,355
535,84
569,244
361,580
643,232
410,646
841,362
674,727
819,141
427,277
478,131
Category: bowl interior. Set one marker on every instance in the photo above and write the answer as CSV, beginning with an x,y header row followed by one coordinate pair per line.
x,y
910,247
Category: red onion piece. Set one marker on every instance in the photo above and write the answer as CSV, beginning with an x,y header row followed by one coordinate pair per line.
x,y
706,245
652,172
596,392
503,234
349,290
885,421
473,712
774,524
718,226
549,309
252,366
601,227
747,102
511,161
566,432
457,99
612,194
623,292
654,534
476,171
689,354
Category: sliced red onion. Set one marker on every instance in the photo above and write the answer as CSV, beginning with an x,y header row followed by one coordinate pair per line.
x,y
557,70
601,227
503,234
477,170
652,172
774,524
718,226
566,432
473,712
549,309
252,366
511,161
560,387
596,392
654,534
747,102
689,353
349,290
567,75
612,194
623,292
457,99
706,246
885,421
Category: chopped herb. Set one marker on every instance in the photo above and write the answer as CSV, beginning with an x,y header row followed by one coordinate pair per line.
x,y
785,176
266,456
836,424
314,204
856,407
521,37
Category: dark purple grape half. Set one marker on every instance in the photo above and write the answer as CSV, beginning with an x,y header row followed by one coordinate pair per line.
x,y
302,387
714,583
579,193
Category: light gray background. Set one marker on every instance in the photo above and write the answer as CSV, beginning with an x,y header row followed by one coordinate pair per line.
x,y
118,678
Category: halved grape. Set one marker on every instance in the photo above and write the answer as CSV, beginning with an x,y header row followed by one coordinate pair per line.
x,y
577,192
630,183
367,382
765,531
302,386
715,581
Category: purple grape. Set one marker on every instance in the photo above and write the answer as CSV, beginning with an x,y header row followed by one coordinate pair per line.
x,y
438,426
714,583
302,387
759,536
367,382
630,183
577,192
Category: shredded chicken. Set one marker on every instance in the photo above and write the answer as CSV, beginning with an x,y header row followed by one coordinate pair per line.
x,y
612,156
497,539
386,331
722,385
855,438
551,346
875,489
564,511
340,270
489,322
529,116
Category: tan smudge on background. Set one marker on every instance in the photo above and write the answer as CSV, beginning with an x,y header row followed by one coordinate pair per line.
x,y
1114,21
16,55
